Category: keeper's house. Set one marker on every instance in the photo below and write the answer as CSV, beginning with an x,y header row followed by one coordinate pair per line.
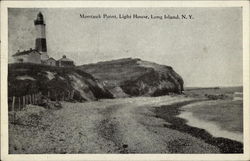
x,y
27,56
51,62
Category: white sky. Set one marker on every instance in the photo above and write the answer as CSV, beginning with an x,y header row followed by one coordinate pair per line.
x,y
205,51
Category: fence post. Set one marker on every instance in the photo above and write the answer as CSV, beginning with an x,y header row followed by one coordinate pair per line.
x,y
23,101
13,104
72,94
30,99
19,103
35,99
13,108
26,99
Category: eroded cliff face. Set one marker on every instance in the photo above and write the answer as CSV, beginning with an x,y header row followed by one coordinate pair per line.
x,y
111,79
135,77
54,82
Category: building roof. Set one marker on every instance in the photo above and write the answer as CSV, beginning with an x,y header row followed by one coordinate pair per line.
x,y
51,58
25,52
64,58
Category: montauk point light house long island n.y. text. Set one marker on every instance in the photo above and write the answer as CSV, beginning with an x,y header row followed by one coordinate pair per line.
x,y
39,55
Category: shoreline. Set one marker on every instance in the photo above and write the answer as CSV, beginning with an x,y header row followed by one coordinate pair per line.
x,y
112,126
170,113
209,126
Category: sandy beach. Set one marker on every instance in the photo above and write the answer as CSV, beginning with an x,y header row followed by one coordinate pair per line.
x,y
126,125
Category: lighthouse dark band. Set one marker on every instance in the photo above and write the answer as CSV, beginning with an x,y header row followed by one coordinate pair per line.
x,y
41,44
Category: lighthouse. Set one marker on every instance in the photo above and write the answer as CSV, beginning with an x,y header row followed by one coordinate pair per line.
x,y
39,55
41,45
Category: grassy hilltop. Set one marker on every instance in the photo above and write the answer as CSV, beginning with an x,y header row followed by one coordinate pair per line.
x,y
135,77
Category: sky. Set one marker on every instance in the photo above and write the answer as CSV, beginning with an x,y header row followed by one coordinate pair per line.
x,y
205,50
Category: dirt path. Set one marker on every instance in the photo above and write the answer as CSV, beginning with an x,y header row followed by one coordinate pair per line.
x,y
107,126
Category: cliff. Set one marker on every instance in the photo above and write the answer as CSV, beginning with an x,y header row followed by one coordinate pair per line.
x,y
135,77
54,82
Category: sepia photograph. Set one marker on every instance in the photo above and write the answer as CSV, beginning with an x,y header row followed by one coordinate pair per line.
x,y
125,80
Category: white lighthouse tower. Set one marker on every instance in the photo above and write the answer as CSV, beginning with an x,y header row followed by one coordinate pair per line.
x,y
41,45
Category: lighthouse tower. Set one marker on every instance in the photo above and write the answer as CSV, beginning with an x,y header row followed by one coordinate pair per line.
x,y
41,37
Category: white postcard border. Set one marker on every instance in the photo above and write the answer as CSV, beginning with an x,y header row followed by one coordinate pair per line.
x,y
120,4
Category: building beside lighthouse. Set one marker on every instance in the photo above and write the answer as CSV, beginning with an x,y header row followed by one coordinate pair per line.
x,y
39,54
65,62
27,56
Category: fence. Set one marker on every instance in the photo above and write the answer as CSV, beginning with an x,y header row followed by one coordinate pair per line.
x,y
19,102
16,103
